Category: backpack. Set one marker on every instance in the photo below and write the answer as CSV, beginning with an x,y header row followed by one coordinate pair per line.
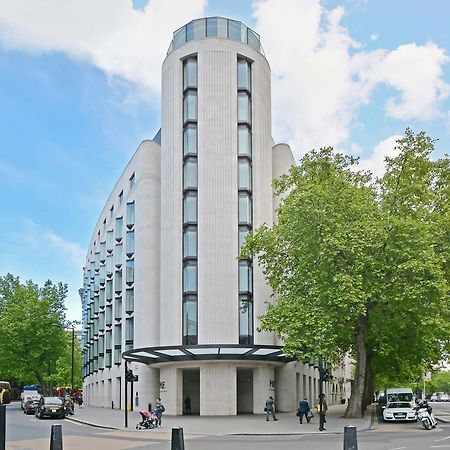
x,y
161,408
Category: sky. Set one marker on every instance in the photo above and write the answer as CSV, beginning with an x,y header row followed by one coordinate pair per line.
x,y
80,89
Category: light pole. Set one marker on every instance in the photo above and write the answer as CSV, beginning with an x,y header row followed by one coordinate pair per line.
x,y
73,354
71,325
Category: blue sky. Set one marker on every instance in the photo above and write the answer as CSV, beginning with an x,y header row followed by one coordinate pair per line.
x,y
78,94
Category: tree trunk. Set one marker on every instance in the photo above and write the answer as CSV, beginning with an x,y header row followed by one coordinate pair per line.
x,y
355,404
368,387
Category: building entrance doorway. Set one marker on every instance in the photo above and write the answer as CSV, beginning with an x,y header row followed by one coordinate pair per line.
x,y
191,391
244,391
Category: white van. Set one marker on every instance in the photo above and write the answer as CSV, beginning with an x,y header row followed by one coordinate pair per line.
x,y
399,395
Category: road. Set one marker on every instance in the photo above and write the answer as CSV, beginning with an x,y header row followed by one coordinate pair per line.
x,y
29,433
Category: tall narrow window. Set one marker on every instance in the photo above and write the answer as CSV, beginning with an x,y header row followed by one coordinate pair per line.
x,y
132,180
190,140
129,333
190,186
118,229
190,106
129,271
190,207
130,243
118,344
245,200
190,242
129,301
190,322
130,214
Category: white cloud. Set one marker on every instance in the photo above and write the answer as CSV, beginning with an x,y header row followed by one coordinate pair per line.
x,y
322,77
414,71
376,161
44,240
374,37
110,34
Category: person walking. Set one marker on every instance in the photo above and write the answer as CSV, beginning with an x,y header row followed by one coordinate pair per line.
x,y
159,409
303,410
270,408
187,405
322,408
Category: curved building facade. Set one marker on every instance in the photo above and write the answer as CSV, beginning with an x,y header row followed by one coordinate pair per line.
x,y
200,187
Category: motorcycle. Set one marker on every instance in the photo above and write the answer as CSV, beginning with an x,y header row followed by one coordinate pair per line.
x,y
425,415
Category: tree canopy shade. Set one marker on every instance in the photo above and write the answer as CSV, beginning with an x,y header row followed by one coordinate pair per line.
x,y
361,265
34,343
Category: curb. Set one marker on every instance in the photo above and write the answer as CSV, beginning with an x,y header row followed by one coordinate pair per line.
x,y
95,425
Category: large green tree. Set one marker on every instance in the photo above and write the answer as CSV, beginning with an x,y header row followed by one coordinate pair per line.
x,y
359,265
32,334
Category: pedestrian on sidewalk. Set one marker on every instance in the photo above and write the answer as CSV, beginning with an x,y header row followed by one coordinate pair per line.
x,y
159,409
303,410
322,407
270,408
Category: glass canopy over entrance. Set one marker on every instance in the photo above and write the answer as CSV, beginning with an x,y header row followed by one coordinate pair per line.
x,y
158,355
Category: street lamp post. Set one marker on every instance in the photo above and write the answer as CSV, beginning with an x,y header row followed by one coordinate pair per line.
x,y
73,354
71,325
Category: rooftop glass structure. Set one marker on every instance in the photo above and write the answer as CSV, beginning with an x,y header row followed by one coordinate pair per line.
x,y
215,27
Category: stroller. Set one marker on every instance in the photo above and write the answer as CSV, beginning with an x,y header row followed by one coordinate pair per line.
x,y
149,420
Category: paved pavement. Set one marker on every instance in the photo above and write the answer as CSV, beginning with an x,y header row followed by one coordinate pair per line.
x,y
216,426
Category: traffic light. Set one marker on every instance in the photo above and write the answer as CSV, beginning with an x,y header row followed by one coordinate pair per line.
x,y
130,377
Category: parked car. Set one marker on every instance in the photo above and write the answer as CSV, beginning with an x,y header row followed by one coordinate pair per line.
x,y
29,406
50,407
443,397
398,411
434,397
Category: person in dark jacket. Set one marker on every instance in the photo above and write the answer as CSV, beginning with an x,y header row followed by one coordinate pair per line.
x,y
270,408
322,407
303,410
159,409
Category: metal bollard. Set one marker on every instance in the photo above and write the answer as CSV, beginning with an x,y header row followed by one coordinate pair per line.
x,y
2,427
112,405
56,442
177,439
350,439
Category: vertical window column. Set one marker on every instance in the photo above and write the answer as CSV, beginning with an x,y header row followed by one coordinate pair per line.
x,y
190,215
245,204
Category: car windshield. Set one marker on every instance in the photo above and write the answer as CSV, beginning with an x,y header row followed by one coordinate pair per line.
x,y
399,405
400,397
53,401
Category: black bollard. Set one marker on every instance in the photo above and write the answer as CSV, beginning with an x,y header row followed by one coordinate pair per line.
x,y
2,427
56,442
177,439
350,439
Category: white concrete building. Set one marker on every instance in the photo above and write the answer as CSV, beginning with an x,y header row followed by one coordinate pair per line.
x,y
163,286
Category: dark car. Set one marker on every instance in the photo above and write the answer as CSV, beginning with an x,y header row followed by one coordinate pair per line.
x,y
29,407
50,407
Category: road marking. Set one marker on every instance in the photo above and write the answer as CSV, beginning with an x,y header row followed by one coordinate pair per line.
x,y
442,439
439,446
397,448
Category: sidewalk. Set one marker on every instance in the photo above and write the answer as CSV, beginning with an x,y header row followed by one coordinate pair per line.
x,y
223,425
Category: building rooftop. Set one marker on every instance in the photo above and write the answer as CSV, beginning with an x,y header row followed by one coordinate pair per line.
x,y
215,27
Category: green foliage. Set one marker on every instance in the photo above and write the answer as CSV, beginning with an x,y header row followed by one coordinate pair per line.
x,y
32,335
355,257
440,382
63,373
